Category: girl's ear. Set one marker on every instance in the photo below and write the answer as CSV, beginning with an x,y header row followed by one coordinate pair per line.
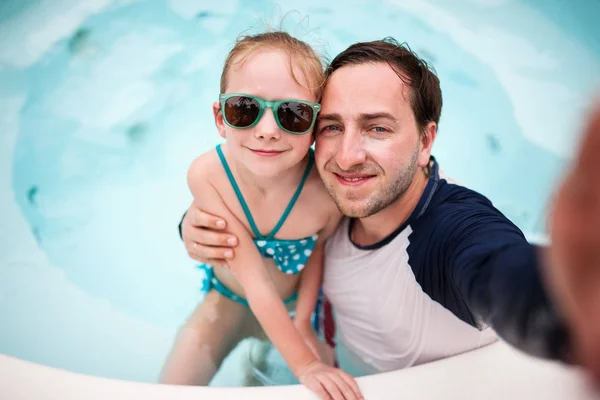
x,y
219,118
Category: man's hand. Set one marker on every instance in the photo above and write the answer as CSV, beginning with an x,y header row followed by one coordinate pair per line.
x,y
574,258
204,237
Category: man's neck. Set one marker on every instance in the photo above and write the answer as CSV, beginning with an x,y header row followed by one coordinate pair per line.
x,y
373,229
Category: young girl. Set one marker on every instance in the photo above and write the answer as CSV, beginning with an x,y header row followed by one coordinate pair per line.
x,y
263,183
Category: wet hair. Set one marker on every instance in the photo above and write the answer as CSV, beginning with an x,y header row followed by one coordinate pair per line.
x,y
300,54
425,91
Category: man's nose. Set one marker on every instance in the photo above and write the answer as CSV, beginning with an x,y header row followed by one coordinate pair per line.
x,y
351,151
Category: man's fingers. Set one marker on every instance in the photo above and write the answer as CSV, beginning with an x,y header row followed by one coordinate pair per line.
x,y
200,251
202,219
209,238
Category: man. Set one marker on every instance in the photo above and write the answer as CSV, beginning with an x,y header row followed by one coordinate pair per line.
x,y
422,267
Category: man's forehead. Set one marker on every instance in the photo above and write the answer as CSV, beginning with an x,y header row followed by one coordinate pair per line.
x,y
364,88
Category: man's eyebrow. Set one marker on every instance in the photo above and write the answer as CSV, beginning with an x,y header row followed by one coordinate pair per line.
x,y
366,117
331,117
363,116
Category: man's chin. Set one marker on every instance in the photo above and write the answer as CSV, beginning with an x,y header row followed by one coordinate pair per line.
x,y
353,209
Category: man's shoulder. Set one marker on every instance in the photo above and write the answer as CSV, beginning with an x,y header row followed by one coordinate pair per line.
x,y
451,196
453,205
456,211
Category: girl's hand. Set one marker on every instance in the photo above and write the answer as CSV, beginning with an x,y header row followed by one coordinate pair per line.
x,y
329,383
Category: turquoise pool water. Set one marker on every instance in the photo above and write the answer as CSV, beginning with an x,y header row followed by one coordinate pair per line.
x,y
104,103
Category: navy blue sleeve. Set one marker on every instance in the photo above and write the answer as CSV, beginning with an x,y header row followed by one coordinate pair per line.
x,y
497,273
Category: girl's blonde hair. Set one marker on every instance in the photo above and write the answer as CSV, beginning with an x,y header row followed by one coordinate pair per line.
x,y
300,54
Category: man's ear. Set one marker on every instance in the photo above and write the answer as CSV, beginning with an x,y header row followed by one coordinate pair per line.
x,y
219,123
427,137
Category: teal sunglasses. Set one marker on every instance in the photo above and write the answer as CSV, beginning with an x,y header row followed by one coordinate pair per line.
x,y
244,111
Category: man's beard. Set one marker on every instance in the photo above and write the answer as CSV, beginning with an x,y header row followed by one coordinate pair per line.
x,y
382,198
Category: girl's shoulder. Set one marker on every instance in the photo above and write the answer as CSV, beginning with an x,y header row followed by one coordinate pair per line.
x,y
317,195
315,184
201,170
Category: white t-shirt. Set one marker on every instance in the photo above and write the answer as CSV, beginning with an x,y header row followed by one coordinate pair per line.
x,y
383,319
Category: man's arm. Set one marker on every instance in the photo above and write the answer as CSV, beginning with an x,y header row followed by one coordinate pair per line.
x,y
498,275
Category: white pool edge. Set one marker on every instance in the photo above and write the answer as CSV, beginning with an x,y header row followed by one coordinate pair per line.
x,y
494,372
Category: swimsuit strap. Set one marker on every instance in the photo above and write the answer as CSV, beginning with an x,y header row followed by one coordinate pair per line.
x,y
238,193
244,205
311,160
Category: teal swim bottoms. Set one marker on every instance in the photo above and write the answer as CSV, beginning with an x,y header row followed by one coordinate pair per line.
x,y
210,281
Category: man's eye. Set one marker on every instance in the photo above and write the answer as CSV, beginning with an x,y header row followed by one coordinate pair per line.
x,y
379,129
330,128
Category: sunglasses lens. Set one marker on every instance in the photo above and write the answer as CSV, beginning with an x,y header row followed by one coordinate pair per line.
x,y
295,117
241,111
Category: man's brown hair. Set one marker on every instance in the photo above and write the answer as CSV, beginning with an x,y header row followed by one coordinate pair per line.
x,y
425,93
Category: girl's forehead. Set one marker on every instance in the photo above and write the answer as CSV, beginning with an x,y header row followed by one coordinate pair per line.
x,y
269,72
